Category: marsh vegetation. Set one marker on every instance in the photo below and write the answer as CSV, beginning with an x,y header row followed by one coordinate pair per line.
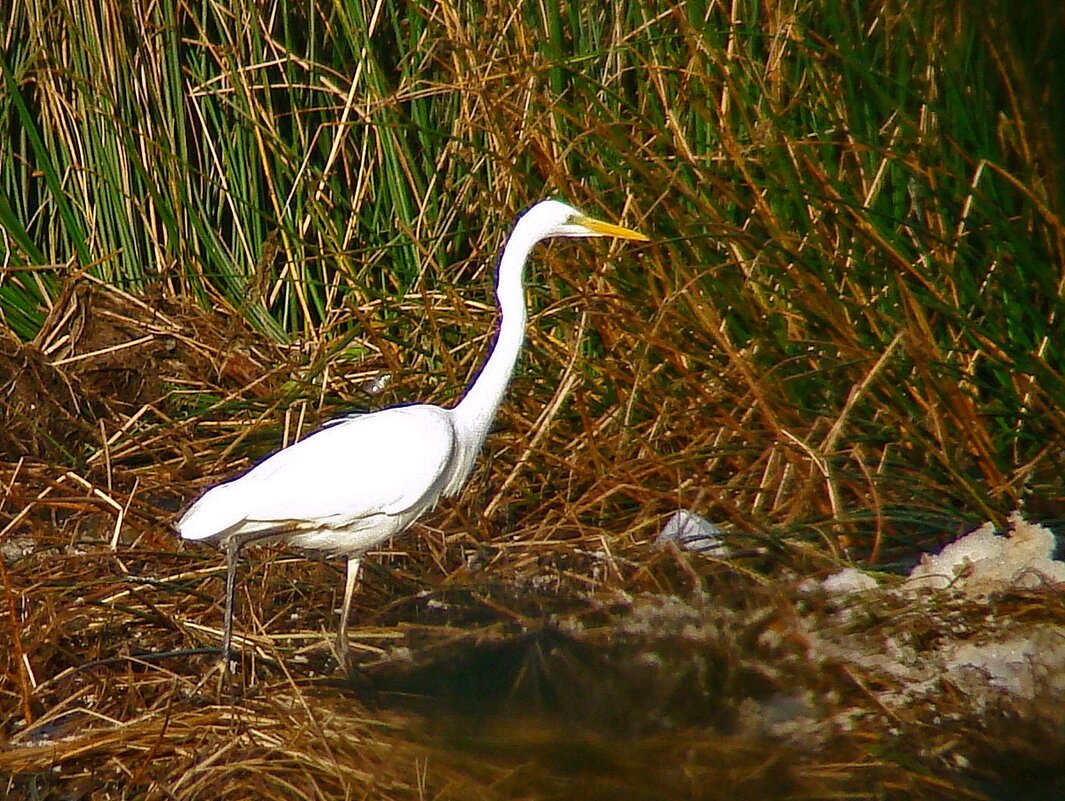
x,y
224,224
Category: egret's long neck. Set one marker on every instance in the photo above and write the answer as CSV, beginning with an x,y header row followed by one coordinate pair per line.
x,y
475,412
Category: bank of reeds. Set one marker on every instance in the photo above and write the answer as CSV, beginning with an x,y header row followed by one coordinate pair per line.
x,y
224,223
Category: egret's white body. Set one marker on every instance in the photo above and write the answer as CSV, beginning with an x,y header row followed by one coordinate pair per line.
x,y
337,490
357,482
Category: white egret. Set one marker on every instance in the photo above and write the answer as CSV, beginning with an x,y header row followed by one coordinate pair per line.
x,y
357,482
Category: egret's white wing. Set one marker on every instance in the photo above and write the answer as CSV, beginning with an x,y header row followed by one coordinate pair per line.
x,y
384,463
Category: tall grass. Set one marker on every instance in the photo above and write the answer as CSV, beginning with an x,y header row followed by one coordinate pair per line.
x,y
848,323
222,221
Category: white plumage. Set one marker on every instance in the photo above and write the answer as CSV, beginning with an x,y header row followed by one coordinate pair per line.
x,y
338,483
357,482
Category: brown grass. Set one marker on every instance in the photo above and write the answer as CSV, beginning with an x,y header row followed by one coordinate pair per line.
x,y
526,640
504,655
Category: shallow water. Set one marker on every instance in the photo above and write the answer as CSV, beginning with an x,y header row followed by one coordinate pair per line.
x,y
670,699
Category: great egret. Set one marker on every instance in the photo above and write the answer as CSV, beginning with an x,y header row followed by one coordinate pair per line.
x,y
357,482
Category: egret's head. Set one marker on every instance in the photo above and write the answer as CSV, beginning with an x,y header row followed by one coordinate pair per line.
x,y
550,218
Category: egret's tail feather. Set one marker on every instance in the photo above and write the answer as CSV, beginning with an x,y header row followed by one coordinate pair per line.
x,y
220,510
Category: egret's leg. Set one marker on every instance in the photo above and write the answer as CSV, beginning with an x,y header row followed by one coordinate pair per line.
x,y
349,591
232,552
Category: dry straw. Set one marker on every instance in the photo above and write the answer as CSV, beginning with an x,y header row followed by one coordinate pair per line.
x,y
225,224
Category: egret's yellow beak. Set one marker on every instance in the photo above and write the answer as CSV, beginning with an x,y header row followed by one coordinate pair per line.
x,y
609,229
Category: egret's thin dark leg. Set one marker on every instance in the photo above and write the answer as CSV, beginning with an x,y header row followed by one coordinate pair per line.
x,y
349,590
232,551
